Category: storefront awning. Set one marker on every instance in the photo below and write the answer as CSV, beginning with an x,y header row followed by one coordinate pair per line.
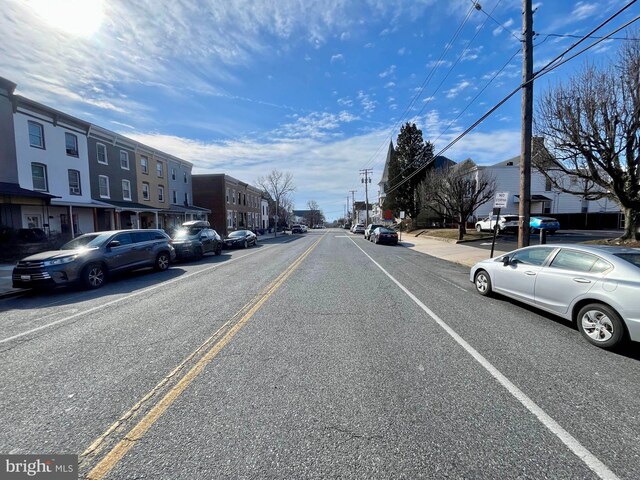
x,y
181,210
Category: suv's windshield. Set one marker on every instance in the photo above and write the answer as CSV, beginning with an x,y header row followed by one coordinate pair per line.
x,y
86,241
186,232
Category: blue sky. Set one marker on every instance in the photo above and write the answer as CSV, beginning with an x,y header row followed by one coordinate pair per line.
x,y
315,88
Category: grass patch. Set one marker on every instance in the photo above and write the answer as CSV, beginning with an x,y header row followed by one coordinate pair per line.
x,y
451,233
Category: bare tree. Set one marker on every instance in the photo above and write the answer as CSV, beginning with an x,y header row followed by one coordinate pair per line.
x,y
592,129
457,191
277,185
315,215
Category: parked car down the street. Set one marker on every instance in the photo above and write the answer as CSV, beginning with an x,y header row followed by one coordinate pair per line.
x,y
598,287
196,238
296,229
91,258
506,223
384,235
551,225
358,228
369,230
241,239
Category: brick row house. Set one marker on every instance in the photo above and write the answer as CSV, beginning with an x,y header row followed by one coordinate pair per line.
x,y
235,205
67,176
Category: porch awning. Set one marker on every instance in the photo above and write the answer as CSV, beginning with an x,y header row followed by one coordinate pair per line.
x,y
91,204
536,198
14,190
131,206
181,210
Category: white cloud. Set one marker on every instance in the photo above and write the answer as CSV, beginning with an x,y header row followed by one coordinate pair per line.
x,y
390,85
584,10
337,58
367,103
402,51
455,91
389,72
438,63
344,36
504,28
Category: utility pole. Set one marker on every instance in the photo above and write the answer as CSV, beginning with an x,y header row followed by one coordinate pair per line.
x,y
524,207
353,205
366,180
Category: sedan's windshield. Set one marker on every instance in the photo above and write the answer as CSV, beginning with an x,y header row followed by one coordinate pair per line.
x,y
86,241
239,233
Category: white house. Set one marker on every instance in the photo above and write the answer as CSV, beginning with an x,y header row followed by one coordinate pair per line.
x,y
51,153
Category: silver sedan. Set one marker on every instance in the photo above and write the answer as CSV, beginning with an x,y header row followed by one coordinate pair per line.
x,y
598,287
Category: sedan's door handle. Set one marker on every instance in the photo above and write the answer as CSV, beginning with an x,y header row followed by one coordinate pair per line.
x,y
530,273
581,280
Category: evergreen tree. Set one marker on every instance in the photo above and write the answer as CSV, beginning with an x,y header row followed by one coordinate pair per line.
x,y
407,169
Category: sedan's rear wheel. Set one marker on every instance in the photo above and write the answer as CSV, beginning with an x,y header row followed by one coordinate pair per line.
x,y
478,228
483,283
94,276
600,325
245,244
162,262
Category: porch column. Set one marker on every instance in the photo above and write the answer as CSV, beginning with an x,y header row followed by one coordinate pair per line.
x,y
73,231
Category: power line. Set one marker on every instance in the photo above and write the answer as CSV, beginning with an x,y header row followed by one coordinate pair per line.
x,y
548,68
479,8
427,79
547,35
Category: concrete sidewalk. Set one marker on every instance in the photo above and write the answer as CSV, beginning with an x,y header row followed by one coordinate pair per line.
x,y
463,254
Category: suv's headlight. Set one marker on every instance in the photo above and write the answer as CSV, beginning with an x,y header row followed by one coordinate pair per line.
x,y
60,261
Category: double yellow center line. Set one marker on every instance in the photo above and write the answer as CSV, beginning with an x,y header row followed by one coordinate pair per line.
x,y
109,461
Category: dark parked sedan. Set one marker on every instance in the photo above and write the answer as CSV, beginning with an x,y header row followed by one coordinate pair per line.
x,y
384,235
196,238
241,239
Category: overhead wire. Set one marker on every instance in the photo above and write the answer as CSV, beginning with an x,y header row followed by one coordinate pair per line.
x,y
546,69
425,82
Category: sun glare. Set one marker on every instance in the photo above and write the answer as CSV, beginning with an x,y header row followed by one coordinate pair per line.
x,y
75,17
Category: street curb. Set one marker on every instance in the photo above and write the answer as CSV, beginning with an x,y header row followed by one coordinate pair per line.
x,y
12,293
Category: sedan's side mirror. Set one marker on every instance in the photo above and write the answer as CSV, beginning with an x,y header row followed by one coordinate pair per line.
x,y
113,243
505,260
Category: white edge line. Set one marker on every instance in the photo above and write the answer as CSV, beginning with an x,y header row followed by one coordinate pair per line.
x,y
591,461
140,292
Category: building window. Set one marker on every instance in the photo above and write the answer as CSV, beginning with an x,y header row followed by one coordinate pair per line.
x,y
126,190
103,183
244,199
185,177
144,164
36,135
174,197
160,193
145,191
233,197
71,144
39,177
186,198
227,195
173,174
124,160
239,198
101,151
547,184
74,182
229,219
159,169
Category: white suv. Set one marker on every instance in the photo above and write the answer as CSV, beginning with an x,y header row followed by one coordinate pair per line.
x,y
506,223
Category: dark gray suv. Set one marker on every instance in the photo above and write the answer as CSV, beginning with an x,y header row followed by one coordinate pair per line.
x,y
196,238
90,258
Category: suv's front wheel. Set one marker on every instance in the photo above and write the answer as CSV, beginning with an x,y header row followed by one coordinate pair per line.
x,y
94,276
162,261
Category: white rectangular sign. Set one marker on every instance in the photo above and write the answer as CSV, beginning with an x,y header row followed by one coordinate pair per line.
x,y
500,200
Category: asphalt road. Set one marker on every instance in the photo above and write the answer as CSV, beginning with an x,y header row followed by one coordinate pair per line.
x,y
315,356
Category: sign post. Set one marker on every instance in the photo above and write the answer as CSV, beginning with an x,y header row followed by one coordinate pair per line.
x,y
500,201
401,223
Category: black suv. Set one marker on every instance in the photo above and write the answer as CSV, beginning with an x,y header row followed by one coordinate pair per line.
x,y
90,258
195,239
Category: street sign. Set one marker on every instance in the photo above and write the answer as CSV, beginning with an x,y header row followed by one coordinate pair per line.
x,y
402,214
500,200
